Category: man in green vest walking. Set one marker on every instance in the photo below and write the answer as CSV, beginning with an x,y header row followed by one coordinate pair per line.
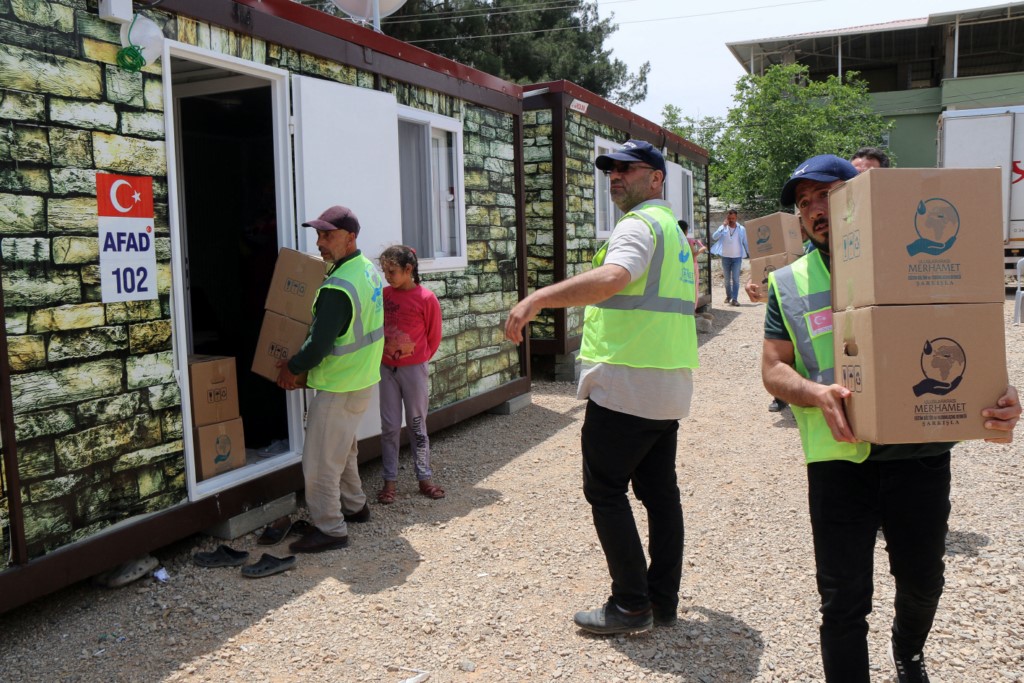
x,y
638,351
855,488
342,356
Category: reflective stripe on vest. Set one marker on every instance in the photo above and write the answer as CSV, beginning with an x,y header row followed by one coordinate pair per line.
x,y
796,307
649,300
361,340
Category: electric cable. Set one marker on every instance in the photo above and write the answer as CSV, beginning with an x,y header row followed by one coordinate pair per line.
x,y
130,58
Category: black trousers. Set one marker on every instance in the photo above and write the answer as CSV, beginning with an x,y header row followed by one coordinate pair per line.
x,y
909,500
619,449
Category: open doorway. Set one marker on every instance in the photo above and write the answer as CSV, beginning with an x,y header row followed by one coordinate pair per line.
x,y
226,166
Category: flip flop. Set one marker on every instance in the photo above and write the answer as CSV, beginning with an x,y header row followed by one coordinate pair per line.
x,y
223,556
124,574
268,565
274,533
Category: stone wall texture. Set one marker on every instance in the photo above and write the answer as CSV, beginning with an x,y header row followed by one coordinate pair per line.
x,y
97,408
581,241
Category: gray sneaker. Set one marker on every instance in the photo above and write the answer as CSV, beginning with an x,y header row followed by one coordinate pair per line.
x,y
609,620
908,669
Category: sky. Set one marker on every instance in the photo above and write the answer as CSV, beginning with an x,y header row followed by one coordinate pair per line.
x,y
685,41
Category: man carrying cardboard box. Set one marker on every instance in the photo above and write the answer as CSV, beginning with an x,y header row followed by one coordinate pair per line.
x,y
342,356
856,487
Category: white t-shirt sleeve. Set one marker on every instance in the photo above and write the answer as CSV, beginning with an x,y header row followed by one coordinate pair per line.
x,y
631,247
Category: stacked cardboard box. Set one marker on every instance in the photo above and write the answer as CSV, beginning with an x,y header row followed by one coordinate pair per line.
x,y
775,241
217,427
289,310
917,295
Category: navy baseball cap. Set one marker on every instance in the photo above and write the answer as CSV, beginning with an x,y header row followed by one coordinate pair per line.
x,y
824,168
335,218
633,150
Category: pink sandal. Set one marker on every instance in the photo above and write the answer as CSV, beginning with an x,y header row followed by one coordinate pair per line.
x,y
431,490
386,496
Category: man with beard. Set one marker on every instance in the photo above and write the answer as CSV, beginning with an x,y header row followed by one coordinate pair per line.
x,y
639,347
854,487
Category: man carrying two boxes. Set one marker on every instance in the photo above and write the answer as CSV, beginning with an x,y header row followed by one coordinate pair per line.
x,y
342,358
855,487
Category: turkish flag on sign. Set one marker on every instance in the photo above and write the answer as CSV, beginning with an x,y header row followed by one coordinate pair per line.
x,y
124,196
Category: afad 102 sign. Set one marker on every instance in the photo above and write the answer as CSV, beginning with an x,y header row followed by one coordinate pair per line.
x,y
124,206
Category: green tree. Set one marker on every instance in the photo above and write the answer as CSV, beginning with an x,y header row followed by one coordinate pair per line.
x,y
780,119
524,41
705,131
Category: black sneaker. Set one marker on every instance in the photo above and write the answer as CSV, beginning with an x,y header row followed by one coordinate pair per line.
x,y
777,406
908,669
610,619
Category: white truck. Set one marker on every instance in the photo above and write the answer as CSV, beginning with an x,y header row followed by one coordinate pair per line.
x,y
980,138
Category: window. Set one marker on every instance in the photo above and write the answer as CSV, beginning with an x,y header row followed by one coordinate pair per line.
x,y
606,213
431,180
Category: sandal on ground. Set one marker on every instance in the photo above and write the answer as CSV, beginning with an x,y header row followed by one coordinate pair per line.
x,y
275,532
124,574
386,496
268,565
431,490
223,556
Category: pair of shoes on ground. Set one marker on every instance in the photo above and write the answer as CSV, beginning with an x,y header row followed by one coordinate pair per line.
x,y
226,556
123,574
276,531
611,620
908,669
777,406
387,495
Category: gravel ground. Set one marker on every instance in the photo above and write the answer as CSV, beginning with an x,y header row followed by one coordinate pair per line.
x,y
481,586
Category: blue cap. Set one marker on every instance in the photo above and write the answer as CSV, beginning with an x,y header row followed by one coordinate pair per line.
x,y
824,168
633,150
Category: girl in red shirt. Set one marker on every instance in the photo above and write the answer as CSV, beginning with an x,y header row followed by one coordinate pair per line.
x,y
412,333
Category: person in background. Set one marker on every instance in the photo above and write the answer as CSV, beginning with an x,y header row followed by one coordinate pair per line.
x,y
854,487
869,157
342,358
698,248
730,243
638,352
412,333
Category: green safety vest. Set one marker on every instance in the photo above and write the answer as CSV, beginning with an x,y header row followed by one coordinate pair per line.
x,y
649,324
354,362
804,292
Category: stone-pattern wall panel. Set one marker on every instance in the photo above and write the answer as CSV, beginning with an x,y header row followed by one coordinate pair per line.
x,y
81,370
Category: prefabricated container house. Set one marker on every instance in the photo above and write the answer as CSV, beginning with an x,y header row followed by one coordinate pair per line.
x,y
256,116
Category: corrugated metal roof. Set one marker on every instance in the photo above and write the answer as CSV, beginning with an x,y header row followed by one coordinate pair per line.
x,y
866,28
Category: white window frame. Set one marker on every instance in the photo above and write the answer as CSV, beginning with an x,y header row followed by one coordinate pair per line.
x,y
446,124
679,182
604,220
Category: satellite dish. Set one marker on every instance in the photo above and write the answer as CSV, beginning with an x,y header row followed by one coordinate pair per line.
x,y
145,34
369,10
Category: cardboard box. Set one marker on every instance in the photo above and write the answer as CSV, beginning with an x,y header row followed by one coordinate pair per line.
x,y
219,448
280,339
761,267
213,383
777,233
917,236
293,287
920,374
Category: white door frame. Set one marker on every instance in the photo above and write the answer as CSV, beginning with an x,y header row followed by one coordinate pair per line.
x,y
248,74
